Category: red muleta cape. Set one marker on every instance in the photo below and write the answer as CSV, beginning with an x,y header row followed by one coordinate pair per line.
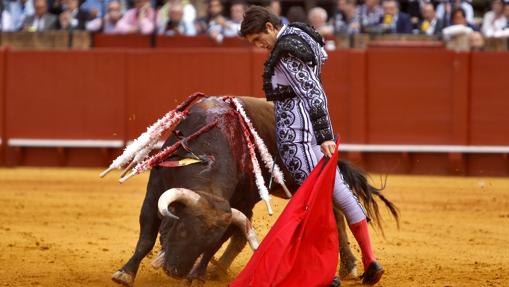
x,y
301,249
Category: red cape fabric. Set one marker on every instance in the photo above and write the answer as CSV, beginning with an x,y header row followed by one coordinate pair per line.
x,y
301,249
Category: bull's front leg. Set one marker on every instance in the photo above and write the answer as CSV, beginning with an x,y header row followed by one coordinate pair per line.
x,y
149,227
196,277
348,266
235,246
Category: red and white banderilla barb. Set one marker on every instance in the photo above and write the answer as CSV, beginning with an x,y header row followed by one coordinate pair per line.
x,y
139,149
262,148
260,182
160,156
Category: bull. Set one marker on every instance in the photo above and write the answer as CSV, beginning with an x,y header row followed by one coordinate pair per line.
x,y
198,207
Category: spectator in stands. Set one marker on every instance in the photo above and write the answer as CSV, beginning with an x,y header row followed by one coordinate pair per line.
x,y
72,17
446,7
275,7
214,17
459,18
506,13
95,8
494,21
430,24
41,20
188,17
56,6
317,17
476,41
6,23
343,21
175,24
108,23
368,15
214,24
296,14
19,10
140,19
414,9
394,21
98,8
232,26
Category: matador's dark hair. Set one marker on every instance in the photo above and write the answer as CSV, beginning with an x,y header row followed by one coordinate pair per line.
x,y
255,19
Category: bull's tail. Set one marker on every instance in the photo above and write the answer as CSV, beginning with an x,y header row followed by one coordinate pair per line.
x,y
356,179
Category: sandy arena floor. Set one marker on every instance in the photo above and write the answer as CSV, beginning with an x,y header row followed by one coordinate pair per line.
x,y
66,227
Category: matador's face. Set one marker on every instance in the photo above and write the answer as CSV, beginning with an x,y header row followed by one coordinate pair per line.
x,y
266,39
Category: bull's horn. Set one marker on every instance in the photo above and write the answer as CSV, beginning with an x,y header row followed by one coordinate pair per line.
x,y
239,219
188,197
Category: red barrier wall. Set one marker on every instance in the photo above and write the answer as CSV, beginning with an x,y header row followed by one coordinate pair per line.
x,y
198,42
100,40
409,100
159,80
65,95
489,105
258,58
379,96
343,76
3,137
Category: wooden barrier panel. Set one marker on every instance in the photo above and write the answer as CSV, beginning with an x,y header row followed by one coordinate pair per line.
x,y
65,95
101,40
343,81
36,40
409,101
199,42
489,123
159,80
489,99
46,40
409,96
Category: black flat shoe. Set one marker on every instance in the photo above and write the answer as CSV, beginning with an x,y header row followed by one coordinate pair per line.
x,y
373,274
335,282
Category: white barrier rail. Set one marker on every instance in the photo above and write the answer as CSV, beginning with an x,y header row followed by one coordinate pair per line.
x,y
49,143
422,148
385,148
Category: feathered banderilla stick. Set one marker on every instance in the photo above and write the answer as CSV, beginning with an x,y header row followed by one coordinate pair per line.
x,y
160,156
262,148
140,148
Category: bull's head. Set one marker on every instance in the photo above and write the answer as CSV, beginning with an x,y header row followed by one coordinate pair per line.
x,y
192,225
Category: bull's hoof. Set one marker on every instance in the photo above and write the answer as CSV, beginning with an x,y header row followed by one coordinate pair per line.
x,y
335,282
217,271
373,274
123,278
348,273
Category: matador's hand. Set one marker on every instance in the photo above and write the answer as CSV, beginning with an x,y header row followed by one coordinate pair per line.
x,y
327,148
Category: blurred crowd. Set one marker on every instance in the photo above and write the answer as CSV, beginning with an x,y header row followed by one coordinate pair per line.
x,y
183,17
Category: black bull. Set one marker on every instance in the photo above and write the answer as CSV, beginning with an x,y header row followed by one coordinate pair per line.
x,y
223,182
